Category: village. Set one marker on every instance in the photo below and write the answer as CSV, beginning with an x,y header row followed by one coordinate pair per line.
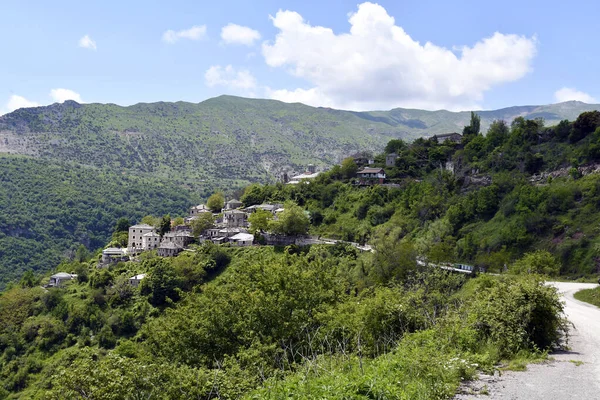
x,y
231,225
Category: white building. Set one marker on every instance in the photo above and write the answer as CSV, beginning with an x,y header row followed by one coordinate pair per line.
x,y
136,237
135,280
150,241
242,239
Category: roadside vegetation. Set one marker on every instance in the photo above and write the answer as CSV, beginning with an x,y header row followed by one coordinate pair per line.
x,y
591,296
267,323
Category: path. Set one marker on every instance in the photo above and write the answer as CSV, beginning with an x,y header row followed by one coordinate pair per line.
x,y
562,378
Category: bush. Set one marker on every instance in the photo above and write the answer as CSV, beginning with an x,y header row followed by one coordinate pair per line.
x,y
516,314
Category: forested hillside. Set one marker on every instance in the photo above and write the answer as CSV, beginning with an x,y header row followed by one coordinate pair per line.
x,y
47,210
484,201
327,321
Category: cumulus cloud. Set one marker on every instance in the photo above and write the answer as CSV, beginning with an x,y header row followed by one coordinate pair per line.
x,y
567,94
378,65
196,32
229,77
87,43
60,95
237,34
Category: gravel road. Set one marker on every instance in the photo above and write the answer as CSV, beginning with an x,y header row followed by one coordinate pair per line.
x,y
573,374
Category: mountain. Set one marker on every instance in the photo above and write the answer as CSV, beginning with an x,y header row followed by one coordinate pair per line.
x,y
228,141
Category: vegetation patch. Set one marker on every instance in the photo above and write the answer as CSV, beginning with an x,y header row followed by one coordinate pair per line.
x,y
591,296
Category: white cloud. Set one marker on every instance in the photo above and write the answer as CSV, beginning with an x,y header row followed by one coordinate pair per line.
x,y
60,95
378,65
15,102
196,32
87,43
567,94
237,34
230,77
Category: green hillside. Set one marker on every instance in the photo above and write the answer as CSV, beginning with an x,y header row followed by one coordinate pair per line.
x,y
47,210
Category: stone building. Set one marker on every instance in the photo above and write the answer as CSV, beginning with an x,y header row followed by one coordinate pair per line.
x,y
235,219
136,237
169,249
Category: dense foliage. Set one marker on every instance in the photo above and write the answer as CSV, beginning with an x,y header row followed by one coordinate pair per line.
x,y
266,323
47,210
485,201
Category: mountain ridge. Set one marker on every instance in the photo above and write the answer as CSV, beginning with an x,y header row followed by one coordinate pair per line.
x,y
230,141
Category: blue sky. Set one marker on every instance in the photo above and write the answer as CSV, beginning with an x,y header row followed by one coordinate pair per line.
x,y
343,54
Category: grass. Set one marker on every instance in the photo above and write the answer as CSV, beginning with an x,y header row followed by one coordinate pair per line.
x,y
522,359
591,296
577,362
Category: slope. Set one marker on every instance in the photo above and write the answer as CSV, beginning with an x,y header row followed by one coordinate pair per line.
x,y
48,209
227,141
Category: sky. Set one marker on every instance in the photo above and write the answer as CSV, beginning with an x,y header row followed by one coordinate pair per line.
x,y
454,55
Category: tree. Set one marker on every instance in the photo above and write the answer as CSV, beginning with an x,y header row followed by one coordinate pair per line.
x,y
472,130
259,220
349,168
201,223
106,337
585,124
151,220
82,254
539,262
162,282
122,225
28,279
395,146
216,202
253,195
178,221
497,134
291,221
165,225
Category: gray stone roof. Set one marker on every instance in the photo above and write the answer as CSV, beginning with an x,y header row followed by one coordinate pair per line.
x,y
142,226
169,245
63,275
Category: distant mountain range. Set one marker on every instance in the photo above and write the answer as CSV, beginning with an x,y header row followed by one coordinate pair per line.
x,y
229,141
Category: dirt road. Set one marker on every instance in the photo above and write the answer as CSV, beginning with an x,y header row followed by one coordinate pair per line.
x,y
574,374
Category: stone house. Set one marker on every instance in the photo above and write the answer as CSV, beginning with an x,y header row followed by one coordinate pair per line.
x,y
136,236
199,209
169,249
452,137
150,241
180,238
233,204
242,239
58,279
135,280
371,176
390,159
113,255
235,219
